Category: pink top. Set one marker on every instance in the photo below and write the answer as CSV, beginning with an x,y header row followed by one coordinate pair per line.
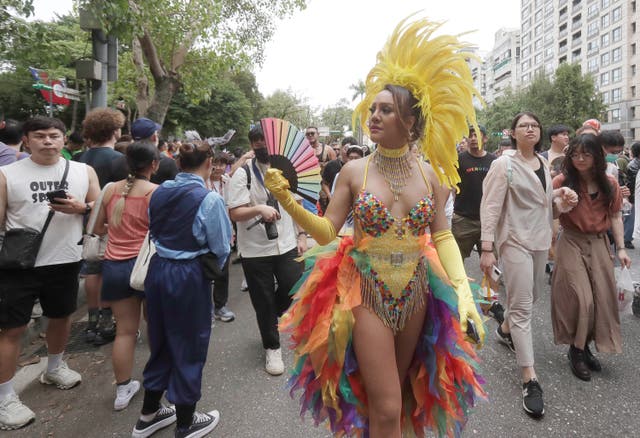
x,y
126,239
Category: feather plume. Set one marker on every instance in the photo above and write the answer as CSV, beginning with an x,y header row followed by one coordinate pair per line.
x,y
434,69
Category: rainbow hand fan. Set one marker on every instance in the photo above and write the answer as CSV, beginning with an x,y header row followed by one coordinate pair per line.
x,y
290,152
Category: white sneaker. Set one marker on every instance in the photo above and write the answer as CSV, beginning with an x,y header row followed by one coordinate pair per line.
x,y
125,393
36,311
63,377
13,414
274,364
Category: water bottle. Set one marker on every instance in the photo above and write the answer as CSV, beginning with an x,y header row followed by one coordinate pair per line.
x,y
626,207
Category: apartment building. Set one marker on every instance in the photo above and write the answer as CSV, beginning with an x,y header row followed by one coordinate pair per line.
x,y
501,66
602,36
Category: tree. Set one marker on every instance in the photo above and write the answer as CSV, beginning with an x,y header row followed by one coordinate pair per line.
x,y
286,105
337,117
181,44
11,21
568,98
358,89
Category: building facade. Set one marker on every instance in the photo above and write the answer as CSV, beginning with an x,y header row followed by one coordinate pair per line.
x,y
502,64
602,36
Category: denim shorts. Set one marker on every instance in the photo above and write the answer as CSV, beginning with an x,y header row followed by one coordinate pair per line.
x,y
115,280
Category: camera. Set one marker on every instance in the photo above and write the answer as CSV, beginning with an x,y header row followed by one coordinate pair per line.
x,y
271,227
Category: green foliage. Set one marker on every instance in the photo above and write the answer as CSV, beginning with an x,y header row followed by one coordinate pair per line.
x,y
337,117
568,98
286,105
12,23
228,108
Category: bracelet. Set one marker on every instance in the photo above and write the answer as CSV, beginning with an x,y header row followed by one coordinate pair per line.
x,y
486,250
302,233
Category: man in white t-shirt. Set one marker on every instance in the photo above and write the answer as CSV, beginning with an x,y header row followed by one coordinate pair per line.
x,y
54,279
269,242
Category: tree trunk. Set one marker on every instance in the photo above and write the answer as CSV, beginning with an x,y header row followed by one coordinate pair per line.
x,y
165,88
142,82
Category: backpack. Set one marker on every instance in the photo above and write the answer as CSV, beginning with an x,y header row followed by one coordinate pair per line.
x,y
245,166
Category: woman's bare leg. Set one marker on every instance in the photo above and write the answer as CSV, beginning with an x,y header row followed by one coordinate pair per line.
x,y
407,340
127,314
374,346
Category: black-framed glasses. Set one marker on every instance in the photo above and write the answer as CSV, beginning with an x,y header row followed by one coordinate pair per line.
x,y
528,126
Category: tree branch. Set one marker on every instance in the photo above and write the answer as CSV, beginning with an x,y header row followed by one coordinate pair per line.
x,y
151,54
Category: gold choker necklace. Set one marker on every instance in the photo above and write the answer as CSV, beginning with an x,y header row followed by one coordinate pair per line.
x,y
395,166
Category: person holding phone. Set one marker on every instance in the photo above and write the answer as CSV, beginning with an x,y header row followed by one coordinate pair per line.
x,y
584,306
516,216
27,188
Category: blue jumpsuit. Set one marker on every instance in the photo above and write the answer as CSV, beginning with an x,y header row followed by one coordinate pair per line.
x,y
178,294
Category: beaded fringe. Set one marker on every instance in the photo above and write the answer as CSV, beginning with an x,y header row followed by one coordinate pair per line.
x,y
395,170
395,317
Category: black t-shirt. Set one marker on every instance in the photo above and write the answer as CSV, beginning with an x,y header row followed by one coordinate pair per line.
x,y
472,172
167,169
110,165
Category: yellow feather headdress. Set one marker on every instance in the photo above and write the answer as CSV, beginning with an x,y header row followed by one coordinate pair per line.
x,y
436,72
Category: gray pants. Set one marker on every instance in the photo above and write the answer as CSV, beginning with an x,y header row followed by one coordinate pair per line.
x,y
523,277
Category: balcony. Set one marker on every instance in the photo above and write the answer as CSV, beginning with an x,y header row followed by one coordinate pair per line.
x,y
563,17
576,24
561,3
576,42
562,34
562,50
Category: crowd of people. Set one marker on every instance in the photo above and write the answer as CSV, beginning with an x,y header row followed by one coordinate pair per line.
x,y
381,313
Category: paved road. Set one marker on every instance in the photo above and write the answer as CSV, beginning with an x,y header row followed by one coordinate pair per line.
x,y
256,405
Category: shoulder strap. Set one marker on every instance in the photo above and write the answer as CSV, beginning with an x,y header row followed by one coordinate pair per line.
x,y
96,208
245,166
509,170
51,212
366,172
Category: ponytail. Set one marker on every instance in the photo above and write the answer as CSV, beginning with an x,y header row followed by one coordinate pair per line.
x,y
116,215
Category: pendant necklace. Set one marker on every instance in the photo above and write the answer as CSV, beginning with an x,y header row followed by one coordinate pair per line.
x,y
395,166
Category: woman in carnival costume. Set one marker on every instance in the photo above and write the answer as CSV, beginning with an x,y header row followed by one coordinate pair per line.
x,y
379,319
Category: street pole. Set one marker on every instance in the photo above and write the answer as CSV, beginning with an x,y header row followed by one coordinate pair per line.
x,y
99,87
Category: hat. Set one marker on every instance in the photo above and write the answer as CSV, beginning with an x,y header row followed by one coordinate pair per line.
x,y
592,123
482,129
144,128
355,148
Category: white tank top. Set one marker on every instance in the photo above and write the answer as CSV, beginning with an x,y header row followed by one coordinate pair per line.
x,y
27,206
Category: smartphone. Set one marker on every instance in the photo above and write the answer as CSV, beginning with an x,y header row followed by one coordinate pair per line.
x,y
472,332
495,273
56,194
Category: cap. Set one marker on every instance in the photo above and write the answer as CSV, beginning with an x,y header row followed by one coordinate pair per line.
x,y
482,129
144,128
592,123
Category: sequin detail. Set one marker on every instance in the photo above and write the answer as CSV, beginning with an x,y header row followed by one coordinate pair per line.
x,y
375,219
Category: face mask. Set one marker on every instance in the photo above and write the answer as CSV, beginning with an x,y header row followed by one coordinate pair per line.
x,y
262,155
611,158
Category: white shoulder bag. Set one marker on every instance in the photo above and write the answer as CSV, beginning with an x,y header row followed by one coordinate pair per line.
x,y
93,246
141,266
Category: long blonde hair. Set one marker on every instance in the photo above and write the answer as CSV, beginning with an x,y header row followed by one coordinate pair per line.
x,y
118,208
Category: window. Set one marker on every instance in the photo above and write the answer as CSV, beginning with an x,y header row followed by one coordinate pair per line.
x,y
605,97
633,69
605,3
548,68
592,46
616,14
526,38
592,29
604,79
604,59
592,10
526,65
616,74
538,16
604,20
537,45
526,25
548,52
616,34
526,52
616,55
538,59
633,91
592,65
616,95
538,30
615,115
604,40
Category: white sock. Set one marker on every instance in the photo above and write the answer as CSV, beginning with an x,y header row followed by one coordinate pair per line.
x,y
6,389
148,417
54,361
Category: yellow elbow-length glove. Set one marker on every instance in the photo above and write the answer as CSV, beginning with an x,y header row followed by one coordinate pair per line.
x,y
320,228
451,260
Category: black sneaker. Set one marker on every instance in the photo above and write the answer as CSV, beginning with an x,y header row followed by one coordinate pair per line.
x,y
165,416
497,312
202,425
532,398
505,338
